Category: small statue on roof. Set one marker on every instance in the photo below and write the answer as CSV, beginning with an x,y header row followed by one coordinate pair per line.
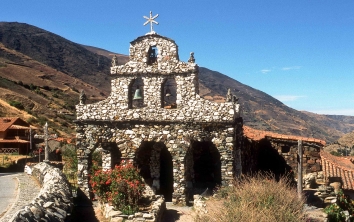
x,y
191,58
229,96
234,99
114,61
82,97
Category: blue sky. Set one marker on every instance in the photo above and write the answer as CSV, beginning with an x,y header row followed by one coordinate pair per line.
x,y
300,52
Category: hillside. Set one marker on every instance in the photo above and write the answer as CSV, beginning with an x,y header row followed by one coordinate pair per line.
x,y
45,72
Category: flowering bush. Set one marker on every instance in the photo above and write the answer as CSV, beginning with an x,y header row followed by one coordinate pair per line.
x,y
335,211
122,187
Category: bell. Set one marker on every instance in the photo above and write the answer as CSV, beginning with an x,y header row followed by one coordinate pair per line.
x,y
137,94
168,92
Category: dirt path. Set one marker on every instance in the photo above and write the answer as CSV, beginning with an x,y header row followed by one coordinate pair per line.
x,y
175,213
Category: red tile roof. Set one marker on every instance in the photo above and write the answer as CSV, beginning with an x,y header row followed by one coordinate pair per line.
x,y
334,166
257,135
6,122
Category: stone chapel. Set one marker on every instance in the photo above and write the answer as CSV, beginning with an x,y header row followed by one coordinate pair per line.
x,y
181,143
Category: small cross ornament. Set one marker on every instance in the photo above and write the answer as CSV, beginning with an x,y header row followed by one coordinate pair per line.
x,y
151,20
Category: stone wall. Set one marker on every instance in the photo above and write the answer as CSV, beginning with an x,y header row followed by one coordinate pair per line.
x,y
153,213
281,150
177,138
190,107
54,202
289,150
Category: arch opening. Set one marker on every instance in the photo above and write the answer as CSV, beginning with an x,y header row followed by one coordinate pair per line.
x,y
169,94
207,167
166,174
152,55
136,93
155,164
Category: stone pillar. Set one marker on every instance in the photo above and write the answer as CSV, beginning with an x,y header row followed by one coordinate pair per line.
x,y
189,172
155,166
179,182
106,160
82,172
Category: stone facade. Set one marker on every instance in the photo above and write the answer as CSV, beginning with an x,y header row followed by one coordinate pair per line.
x,y
169,144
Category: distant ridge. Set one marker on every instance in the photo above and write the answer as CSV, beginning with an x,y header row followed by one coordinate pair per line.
x,y
32,55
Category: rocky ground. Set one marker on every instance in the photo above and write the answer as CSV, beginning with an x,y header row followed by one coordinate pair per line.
x,y
173,213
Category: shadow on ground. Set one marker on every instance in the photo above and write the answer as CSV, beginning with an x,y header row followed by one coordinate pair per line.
x,y
83,209
170,216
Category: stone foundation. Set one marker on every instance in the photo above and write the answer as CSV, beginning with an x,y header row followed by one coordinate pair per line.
x,y
153,214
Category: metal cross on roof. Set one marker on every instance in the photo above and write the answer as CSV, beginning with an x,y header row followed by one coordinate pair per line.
x,y
151,20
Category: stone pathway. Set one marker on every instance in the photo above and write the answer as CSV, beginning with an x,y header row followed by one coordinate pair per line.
x,y
28,189
178,213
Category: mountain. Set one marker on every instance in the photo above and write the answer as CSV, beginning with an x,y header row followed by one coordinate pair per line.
x,y
42,73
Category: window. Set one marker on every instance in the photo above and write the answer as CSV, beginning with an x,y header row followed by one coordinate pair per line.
x,y
285,149
152,55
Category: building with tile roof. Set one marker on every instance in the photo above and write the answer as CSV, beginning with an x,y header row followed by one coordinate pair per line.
x,y
14,135
265,150
278,153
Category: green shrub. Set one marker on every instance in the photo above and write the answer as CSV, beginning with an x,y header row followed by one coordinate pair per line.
x,y
16,104
256,199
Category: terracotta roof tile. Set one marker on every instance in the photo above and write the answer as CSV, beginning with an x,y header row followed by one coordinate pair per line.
x,y
334,166
257,135
6,122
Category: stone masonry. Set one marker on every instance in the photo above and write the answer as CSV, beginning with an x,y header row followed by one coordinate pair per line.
x,y
54,201
114,125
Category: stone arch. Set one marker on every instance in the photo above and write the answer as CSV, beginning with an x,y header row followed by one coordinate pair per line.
x,y
136,85
206,166
169,94
155,164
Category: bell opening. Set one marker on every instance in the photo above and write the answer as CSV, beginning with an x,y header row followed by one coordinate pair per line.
x,y
136,94
168,94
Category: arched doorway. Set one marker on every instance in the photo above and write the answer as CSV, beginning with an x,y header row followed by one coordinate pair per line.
x,y
207,167
156,167
142,161
166,174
